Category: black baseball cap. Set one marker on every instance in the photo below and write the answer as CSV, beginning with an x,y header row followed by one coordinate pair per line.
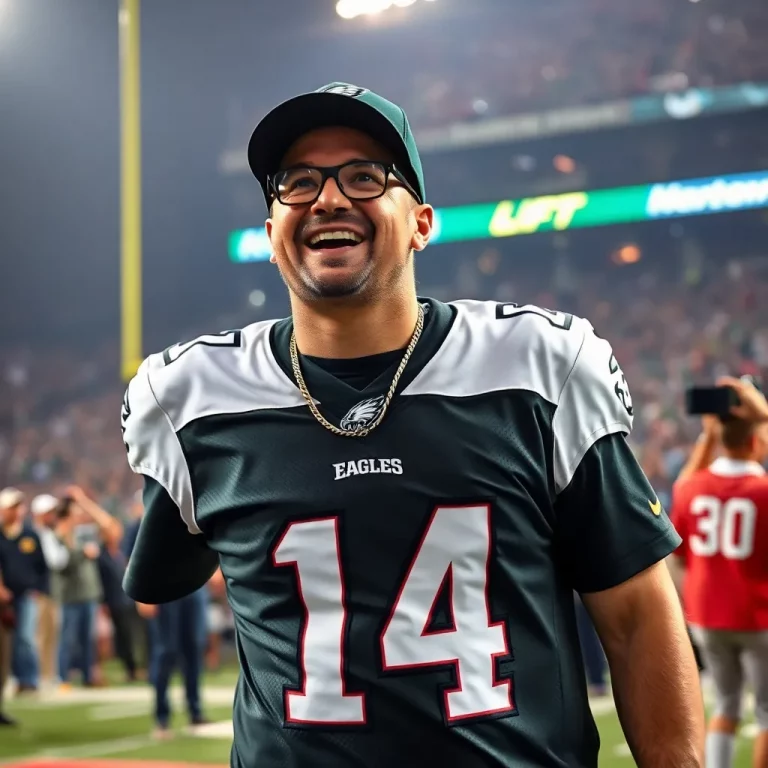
x,y
335,104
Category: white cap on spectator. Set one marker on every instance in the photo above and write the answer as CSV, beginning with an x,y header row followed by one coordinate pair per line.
x,y
43,504
10,497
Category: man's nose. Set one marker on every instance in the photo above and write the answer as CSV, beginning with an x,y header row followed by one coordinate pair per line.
x,y
331,199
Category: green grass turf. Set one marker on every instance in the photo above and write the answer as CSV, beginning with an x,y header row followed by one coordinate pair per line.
x,y
74,730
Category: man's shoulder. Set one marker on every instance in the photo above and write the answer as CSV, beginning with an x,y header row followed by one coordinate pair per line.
x,y
523,324
198,355
496,346
228,372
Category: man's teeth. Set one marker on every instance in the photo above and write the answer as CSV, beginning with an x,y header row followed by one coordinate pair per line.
x,y
351,236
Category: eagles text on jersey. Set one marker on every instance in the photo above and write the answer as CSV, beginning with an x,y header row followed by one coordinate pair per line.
x,y
403,599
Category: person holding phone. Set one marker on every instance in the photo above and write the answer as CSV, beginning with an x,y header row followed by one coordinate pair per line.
x,y
720,509
78,585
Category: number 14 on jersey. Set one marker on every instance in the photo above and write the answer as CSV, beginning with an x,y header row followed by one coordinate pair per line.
x,y
455,550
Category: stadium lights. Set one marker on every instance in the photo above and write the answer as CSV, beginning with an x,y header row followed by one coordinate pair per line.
x,y
350,9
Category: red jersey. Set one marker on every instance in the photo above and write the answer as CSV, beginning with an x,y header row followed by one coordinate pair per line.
x,y
721,513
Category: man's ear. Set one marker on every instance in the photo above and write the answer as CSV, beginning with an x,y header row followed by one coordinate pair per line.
x,y
268,227
425,221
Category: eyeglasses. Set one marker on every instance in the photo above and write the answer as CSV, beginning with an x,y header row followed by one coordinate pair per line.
x,y
358,180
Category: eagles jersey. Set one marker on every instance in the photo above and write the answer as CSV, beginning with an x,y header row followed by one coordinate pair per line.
x,y
406,598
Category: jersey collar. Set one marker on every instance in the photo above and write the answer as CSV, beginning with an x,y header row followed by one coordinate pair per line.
x,y
336,397
725,467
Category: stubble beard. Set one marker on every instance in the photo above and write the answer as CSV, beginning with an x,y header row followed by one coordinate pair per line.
x,y
355,285
361,285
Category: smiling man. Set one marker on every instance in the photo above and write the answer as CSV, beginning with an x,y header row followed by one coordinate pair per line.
x,y
403,494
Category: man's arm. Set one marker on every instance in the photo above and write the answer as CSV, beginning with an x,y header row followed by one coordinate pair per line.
x,y
109,527
657,695
168,562
612,537
614,541
171,557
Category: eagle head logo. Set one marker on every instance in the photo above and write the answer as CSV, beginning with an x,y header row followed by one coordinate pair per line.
x,y
361,415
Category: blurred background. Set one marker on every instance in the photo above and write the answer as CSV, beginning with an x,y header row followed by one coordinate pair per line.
x,y
603,157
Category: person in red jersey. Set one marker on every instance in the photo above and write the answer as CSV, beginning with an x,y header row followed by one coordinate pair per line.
x,y
720,510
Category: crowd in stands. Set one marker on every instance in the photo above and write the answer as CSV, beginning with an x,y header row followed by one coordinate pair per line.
x,y
555,55
533,57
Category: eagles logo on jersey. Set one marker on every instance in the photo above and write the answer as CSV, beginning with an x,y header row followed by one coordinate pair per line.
x,y
362,414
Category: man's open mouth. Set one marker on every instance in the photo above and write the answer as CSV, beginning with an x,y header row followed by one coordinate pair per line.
x,y
334,240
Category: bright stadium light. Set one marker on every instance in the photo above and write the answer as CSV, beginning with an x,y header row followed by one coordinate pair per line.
x,y
350,9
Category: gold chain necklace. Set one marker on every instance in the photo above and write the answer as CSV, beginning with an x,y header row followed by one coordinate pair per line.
x,y
363,431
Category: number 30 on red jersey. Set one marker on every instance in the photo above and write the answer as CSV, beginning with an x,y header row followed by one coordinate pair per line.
x,y
455,550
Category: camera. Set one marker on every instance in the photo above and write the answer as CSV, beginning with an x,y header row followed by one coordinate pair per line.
x,y
713,401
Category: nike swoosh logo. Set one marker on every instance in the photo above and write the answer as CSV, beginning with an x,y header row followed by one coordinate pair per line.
x,y
655,508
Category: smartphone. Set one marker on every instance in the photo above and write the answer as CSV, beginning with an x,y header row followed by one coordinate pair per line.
x,y
717,401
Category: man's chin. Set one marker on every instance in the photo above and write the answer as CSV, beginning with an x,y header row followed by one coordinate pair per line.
x,y
336,283
336,289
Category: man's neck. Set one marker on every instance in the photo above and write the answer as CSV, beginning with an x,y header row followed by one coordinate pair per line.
x,y
346,332
742,456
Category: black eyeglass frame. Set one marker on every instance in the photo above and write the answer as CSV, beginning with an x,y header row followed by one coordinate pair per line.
x,y
332,172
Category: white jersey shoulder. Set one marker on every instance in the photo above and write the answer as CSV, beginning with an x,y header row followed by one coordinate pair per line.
x,y
230,372
493,347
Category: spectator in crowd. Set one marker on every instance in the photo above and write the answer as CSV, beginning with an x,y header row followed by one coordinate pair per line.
x,y
26,575
721,512
6,639
84,528
43,508
178,631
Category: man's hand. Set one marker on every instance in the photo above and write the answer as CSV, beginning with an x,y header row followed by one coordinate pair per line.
x,y
6,596
76,493
752,406
147,611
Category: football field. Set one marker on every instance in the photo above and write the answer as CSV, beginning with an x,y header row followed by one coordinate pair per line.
x,y
97,727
